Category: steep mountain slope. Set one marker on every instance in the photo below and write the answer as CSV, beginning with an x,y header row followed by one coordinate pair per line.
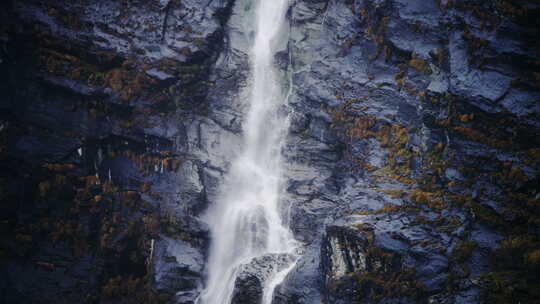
x,y
413,155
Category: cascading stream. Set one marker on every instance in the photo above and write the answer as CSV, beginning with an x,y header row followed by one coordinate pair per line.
x,y
246,223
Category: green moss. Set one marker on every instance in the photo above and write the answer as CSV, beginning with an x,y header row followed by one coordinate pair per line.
x,y
516,267
164,298
377,286
383,278
487,215
463,251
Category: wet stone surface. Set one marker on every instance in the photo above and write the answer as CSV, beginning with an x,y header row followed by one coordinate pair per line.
x,y
411,164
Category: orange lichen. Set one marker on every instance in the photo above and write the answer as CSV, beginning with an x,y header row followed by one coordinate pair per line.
x,y
400,79
185,51
388,209
45,265
534,257
429,199
466,118
59,167
420,65
44,188
440,54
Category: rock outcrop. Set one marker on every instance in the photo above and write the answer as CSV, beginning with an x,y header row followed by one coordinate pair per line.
x,y
254,276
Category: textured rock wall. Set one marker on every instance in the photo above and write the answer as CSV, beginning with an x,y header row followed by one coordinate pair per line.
x,y
105,148
413,156
416,128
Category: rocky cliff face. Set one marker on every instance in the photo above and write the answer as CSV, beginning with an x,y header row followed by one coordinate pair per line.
x,y
413,155
108,149
416,154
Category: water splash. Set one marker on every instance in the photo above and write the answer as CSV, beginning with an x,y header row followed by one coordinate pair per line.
x,y
246,223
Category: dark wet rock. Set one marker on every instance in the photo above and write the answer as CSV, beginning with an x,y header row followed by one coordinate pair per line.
x,y
420,66
249,289
177,268
413,149
121,171
303,283
253,277
100,180
363,255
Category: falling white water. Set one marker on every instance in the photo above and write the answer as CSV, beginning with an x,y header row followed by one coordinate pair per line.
x,y
246,223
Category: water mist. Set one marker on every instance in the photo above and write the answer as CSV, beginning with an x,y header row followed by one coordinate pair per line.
x,y
246,221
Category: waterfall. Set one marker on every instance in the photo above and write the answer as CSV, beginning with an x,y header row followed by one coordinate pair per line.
x,y
246,222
